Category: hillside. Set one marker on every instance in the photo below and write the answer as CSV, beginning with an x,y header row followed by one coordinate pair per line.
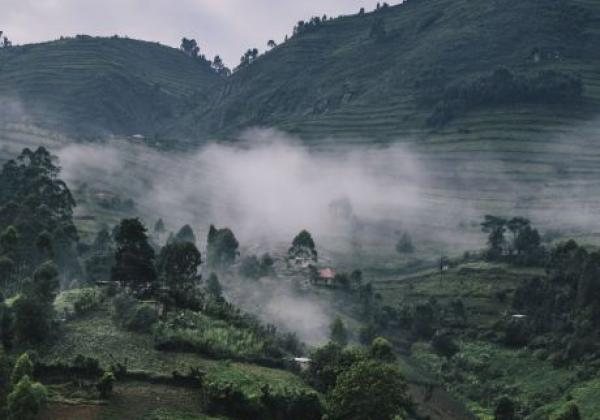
x,y
344,77
93,86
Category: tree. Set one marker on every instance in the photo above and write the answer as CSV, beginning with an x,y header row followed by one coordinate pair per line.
x,y
26,400
405,245
382,350
249,57
495,227
185,234
271,44
34,309
213,287
159,227
369,390
303,246
219,67
45,283
250,267
337,332
189,47
222,248
328,362
23,367
134,258
178,264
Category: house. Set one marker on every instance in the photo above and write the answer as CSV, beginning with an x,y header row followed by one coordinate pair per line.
x,y
324,277
302,362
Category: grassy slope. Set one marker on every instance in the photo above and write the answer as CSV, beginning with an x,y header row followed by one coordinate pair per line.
x,y
95,335
83,84
337,82
488,370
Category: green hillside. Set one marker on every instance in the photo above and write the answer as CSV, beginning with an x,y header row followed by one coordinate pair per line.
x,y
340,78
87,85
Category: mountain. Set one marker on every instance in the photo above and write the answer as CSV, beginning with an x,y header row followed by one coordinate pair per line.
x,y
498,100
385,74
94,86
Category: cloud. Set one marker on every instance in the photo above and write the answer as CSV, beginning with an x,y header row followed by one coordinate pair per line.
x,y
225,27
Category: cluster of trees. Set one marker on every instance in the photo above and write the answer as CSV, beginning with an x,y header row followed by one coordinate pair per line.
x,y
503,87
36,218
253,267
248,58
524,245
190,47
222,249
304,26
360,384
562,307
20,397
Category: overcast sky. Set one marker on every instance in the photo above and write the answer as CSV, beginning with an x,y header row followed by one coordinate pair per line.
x,y
225,27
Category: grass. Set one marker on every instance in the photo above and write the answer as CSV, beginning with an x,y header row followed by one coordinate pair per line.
x,y
210,336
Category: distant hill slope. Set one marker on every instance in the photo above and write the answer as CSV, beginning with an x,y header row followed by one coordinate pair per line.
x,y
346,78
87,85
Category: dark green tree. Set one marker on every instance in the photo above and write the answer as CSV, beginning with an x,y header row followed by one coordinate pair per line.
x,y
213,287
369,390
222,248
190,47
185,234
178,264
405,244
495,227
303,246
382,350
337,332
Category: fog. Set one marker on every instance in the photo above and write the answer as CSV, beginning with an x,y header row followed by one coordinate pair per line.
x,y
267,186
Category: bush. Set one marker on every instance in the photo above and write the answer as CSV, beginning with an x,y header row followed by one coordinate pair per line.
x,y
444,345
369,390
132,315
105,385
86,301
26,400
382,350
23,367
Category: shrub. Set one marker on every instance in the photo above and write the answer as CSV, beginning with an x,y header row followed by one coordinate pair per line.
x,y
443,344
105,385
369,390
381,349
26,400
23,367
86,301
132,315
